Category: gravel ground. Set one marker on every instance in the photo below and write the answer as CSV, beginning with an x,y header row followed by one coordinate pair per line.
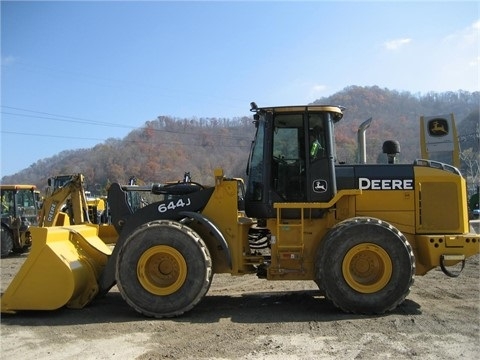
x,y
248,318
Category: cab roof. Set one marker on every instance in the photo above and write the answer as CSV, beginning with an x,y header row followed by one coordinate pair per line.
x,y
18,187
337,110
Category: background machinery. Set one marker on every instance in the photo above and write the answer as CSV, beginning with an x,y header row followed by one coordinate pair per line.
x,y
96,206
19,212
65,203
361,232
68,204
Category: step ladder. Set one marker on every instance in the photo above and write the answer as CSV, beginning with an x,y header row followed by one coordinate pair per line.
x,y
289,243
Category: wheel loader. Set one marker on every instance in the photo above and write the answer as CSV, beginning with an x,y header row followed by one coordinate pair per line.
x,y
359,231
19,212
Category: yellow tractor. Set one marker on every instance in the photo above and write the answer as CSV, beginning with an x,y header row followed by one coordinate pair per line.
x,y
19,212
360,231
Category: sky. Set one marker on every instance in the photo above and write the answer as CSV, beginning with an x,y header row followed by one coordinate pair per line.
x,y
74,74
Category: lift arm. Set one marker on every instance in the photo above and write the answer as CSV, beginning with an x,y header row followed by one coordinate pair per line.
x,y
50,213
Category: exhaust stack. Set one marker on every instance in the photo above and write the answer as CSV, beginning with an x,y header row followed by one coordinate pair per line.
x,y
362,146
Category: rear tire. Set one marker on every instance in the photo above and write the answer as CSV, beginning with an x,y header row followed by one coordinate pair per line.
x,y
365,266
163,269
6,242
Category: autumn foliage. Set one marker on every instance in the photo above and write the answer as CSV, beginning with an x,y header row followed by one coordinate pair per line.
x,y
164,149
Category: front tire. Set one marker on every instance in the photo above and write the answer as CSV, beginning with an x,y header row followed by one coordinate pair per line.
x,y
163,269
6,242
365,266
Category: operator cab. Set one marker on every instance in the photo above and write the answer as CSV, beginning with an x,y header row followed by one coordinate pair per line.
x,y
292,158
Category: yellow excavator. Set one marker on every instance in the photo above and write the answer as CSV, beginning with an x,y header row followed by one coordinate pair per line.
x,y
360,231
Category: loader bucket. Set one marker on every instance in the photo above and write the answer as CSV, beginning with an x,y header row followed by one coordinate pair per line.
x,y
62,269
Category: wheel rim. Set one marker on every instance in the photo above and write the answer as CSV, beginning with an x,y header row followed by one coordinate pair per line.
x,y
367,268
162,270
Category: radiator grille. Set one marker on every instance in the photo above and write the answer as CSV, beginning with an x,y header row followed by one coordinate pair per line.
x,y
438,204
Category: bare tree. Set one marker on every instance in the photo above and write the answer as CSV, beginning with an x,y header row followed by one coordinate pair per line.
x,y
471,164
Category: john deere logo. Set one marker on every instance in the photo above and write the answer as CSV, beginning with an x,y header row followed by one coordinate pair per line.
x,y
438,127
319,186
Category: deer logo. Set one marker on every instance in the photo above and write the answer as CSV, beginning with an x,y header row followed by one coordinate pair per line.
x,y
319,186
438,127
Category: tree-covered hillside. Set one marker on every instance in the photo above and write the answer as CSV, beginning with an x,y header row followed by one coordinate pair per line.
x,y
395,116
163,149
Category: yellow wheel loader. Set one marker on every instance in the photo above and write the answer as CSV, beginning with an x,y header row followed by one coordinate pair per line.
x,y
360,231
19,212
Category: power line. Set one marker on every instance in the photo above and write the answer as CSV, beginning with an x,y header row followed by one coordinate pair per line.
x,y
59,118
49,135
73,119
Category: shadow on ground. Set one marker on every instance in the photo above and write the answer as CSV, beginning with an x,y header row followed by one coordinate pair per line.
x,y
259,307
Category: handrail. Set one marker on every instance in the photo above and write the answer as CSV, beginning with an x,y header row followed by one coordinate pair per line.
x,y
436,165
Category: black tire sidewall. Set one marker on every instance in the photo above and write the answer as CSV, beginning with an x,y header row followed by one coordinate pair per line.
x,y
337,245
198,269
6,242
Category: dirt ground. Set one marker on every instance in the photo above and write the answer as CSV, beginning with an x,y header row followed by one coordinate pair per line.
x,y
249,318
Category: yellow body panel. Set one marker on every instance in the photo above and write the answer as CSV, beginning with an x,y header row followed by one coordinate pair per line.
x,y
107,233
395,207
437,190
98,203
222,209
62,268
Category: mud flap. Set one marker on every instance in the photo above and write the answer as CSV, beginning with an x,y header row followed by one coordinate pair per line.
x,y
62,269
